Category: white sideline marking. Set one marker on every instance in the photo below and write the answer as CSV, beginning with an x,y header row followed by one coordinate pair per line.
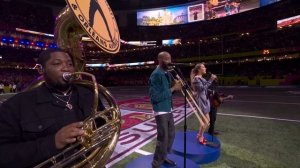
x,y
246,101
268,118
8,94
142,152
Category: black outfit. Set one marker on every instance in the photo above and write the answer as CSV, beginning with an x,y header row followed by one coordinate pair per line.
x,y
213,117
165,138
29,121
213,96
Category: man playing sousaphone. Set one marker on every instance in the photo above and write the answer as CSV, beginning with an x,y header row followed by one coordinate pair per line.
x,y
54,123
38,124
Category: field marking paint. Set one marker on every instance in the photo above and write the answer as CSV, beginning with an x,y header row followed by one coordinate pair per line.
x,y
294,92
262,102
142,152
258,117
139,135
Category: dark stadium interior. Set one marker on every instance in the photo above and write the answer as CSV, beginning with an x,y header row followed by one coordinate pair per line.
x,y
231,46
254,59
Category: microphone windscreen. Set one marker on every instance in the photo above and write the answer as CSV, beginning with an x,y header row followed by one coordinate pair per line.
x,y
67,76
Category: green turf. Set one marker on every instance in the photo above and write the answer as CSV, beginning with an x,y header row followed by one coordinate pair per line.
x,y
248,143
126,160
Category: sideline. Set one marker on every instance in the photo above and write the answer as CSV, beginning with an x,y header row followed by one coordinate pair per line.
x,y
263,102
258,117
142,152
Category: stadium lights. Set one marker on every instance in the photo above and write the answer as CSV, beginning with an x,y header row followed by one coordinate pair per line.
x,y
4,39
28,43
266,52
34,32
13,42
120,65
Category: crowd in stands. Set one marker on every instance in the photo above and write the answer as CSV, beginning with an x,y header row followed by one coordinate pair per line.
x,y
212,46
14,80
283,39
287,71
18,14
23,56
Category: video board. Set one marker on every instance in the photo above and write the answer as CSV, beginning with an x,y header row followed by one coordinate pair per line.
x,y
171,42
288,21
196,11
163,17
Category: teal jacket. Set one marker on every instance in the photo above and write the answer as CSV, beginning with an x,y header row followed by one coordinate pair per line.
x,y
160,92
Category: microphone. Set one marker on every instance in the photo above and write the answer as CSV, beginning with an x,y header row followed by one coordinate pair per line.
x,y
209,75
67,76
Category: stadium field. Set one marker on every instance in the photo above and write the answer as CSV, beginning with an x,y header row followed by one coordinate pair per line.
x,y
258,128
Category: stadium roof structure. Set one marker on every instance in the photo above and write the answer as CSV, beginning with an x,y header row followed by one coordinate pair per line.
x,y
121,4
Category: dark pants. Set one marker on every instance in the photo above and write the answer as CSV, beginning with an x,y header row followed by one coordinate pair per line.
x,y
213,117
165,138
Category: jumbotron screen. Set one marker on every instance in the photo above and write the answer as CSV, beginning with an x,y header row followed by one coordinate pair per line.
x,y
295,20
196,11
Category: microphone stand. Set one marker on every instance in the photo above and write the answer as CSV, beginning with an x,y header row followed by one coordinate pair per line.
x,y
185,87
185,126
214,91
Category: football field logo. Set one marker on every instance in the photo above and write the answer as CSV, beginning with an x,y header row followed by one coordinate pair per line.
x,y
97,19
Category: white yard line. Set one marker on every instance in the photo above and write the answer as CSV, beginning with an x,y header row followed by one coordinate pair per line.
x,y
294,92
142,152
262,102
259,117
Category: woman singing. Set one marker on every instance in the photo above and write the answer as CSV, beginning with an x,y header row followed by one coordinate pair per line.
x,y
200,86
